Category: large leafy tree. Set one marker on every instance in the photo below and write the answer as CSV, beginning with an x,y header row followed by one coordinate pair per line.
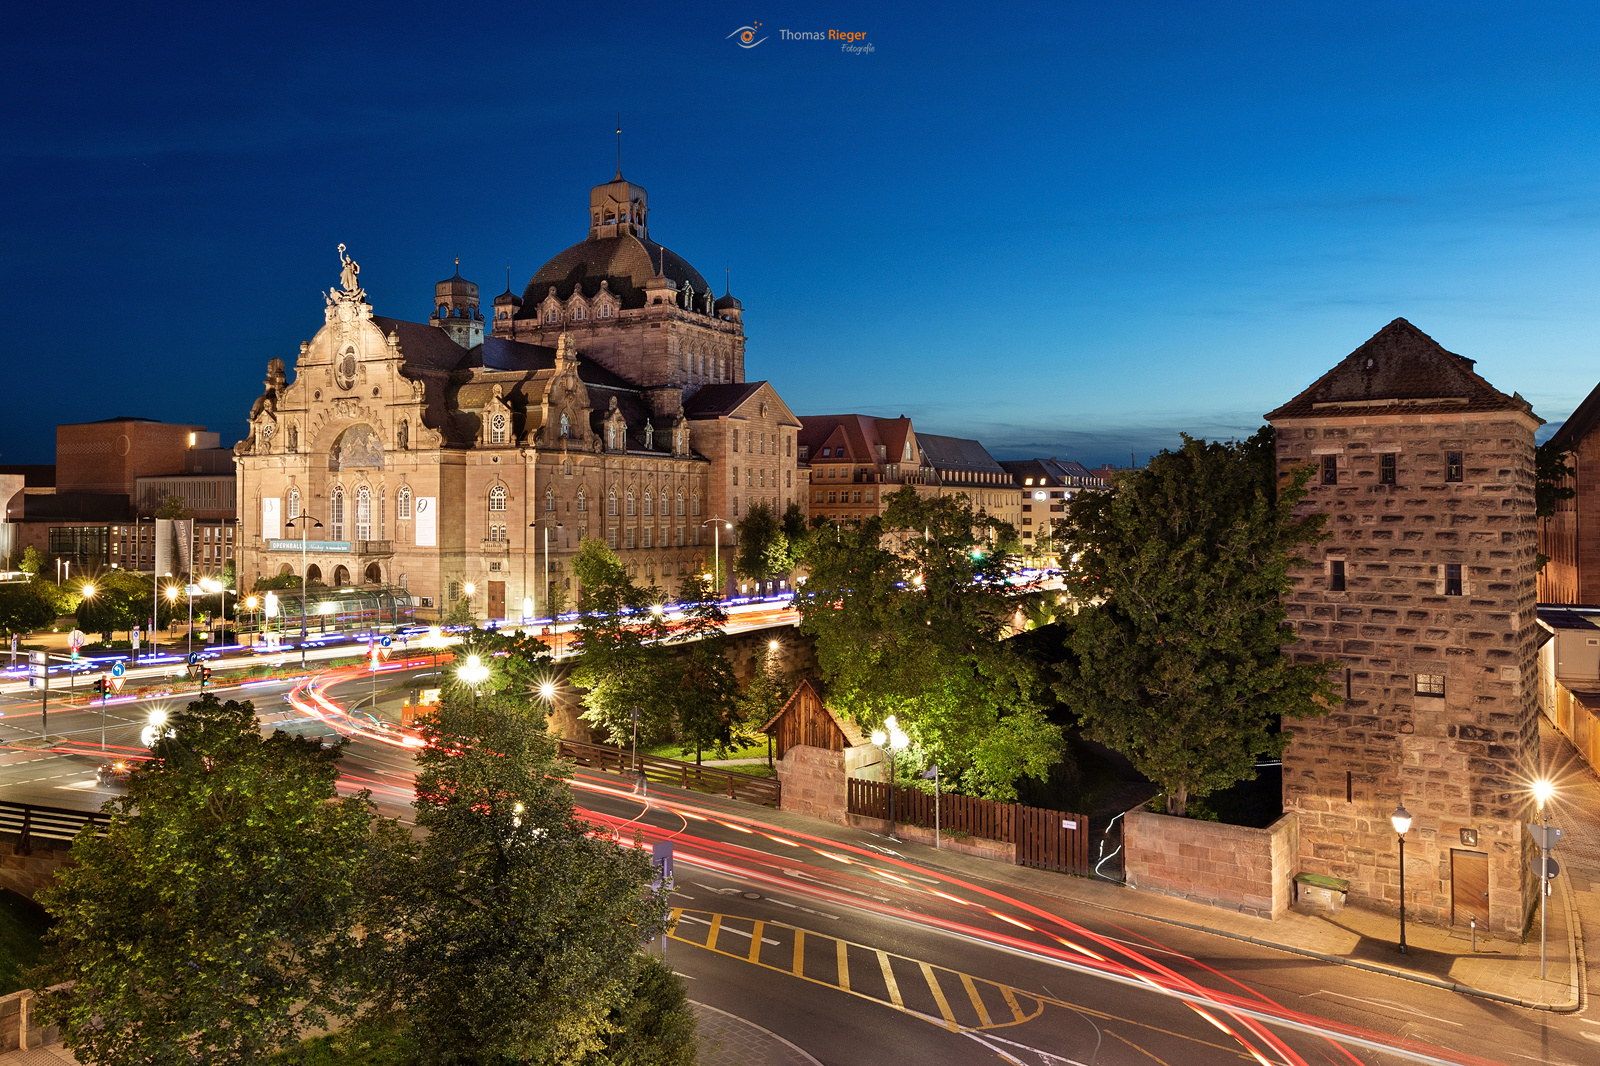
x,y
24,607
908,611
217,917
1551,485
121,601
1178,661
764,552
518,663
699,688
619,634
521,943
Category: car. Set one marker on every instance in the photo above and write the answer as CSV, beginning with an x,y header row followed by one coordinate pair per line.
x,y
113,773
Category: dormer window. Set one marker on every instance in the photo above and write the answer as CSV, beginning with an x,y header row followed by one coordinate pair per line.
x,y
605,311
497,428
552,317
577,313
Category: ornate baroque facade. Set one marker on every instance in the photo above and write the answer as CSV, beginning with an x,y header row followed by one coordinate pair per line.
x,y
609,401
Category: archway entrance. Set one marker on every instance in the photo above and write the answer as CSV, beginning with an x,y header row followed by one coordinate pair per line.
x,y
374,574
313,574
341,576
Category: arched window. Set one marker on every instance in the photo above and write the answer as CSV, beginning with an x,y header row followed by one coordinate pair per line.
x,y
497,498
363,513
633,508
403,502
605,310
293,506
552,316
664,511
497,428
680,504
336,511
577,313
549,501
649,500
611,503
583,500
566,467
566,428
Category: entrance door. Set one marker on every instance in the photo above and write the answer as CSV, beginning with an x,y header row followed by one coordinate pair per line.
x,y
1469,887
497,599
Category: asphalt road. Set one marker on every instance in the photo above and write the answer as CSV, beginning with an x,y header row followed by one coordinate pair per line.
x,y
834,940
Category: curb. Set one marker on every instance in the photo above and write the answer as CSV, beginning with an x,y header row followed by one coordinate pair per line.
x,y
802,1052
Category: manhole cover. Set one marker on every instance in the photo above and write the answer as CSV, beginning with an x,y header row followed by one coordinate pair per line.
x,y
752,895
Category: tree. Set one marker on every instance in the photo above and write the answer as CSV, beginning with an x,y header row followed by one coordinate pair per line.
x,y
763,553
795,529
24,607
215,919
521,940
32,561
1177,662
762,697
620,635
908,611
283,583
518,663
172,507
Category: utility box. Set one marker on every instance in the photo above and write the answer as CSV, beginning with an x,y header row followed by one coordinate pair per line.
x,y
1320,894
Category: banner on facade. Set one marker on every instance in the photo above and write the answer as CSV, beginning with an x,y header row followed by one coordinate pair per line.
x,y
427,522
271,518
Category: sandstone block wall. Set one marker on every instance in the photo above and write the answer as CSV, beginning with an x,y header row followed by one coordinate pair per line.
x,y
27,874
18,1027
1233,866
1460,760
813,781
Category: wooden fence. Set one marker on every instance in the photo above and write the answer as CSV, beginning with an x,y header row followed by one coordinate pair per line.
x,y
1051,840
674,772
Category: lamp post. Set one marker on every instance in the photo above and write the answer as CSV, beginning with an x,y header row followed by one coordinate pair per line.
x,y
1542,791
1401,820
252,603
535,611
172,598
893,740
932,774
301,520
469,588
717,525
474,673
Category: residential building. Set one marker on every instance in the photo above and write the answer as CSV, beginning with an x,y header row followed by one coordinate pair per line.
x,y
1046,485
1421,605
964,467
856,460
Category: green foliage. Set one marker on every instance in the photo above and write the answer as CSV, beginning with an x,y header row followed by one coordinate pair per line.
x,y
25,606
623,663
23,924
460,614
32,561
764,552
121,601
762,698
521,940
230,577
518,664
214,920
795,529
1179,664
172,507
656,1026
915,631
282,583
375,1040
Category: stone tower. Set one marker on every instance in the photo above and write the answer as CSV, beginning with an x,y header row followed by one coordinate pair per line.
x,y
1422,601
455,310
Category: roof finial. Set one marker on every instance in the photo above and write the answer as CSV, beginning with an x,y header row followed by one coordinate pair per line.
x,y
727,280
508,275
619,145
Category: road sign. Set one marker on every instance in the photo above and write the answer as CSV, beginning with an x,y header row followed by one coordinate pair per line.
x,y
1545,837
38,657
116,669
76,639
116,682
386,642
194,657
1538,861
661,859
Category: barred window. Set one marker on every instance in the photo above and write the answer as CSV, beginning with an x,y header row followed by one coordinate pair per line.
x,y
1452,466
1330,469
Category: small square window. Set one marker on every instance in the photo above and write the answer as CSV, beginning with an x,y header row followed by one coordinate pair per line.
x,y
1430,685
1336,575
1452,579
1330,469
1386,468
1452,466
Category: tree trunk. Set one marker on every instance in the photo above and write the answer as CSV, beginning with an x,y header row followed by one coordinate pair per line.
x,y
1178,802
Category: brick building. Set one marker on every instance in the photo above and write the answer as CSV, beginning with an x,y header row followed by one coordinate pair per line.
x,y
1570,538
608,401
1422,601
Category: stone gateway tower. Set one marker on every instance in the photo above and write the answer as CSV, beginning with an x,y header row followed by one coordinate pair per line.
x,y
1422,600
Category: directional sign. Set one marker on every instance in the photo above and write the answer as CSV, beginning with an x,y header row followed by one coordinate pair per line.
x,y
1545,837
116,682
194,657
1550,873
386,642
661,859
116,669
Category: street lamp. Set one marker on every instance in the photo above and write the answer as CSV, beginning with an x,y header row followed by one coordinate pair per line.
x,y
1543,790
717,525
252,603
301,519
546,524
892,741
469,589
474,673
1401,820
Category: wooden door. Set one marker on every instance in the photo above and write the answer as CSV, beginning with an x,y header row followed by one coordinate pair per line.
x,y
497,599
1469,887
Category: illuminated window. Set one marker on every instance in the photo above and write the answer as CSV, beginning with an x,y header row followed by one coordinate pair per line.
x,y
1452,466
1430,685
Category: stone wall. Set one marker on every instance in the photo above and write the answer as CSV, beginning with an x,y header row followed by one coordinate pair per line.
x,y
1233,866
1439,710
27,874
19,1029
813,781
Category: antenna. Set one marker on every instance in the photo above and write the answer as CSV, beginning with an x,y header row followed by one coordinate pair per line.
x,y
619,145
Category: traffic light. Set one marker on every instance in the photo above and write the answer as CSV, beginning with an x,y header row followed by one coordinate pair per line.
x,y
205,676
100,687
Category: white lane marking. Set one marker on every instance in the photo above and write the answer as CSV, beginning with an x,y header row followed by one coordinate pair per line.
x,y
1401,1007
725,929
685,895
1591,1036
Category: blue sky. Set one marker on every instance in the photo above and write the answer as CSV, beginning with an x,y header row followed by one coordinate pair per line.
x,y
1066,229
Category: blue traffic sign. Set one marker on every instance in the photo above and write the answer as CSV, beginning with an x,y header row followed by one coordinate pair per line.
x,y
386,642
116,669
194,657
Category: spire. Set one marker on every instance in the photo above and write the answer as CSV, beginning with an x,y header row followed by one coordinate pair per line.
x,y
619,146
727,281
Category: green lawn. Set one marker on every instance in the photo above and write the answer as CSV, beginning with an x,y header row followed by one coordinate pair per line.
x,y
671,749
22,924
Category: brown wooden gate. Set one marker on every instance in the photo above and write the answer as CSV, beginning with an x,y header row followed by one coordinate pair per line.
x,y
1469,886
1050,840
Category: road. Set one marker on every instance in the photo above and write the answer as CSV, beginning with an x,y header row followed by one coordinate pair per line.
x,y
835,940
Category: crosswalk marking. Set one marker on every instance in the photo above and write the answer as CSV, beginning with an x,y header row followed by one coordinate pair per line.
x,y
716,926
844,967
1011,1001
977,1001
938,997
889,981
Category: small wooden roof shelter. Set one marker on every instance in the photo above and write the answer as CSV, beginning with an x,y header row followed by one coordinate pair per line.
x,y
806,719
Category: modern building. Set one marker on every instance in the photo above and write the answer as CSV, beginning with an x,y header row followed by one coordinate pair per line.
x,y
1046,485
608,400
1421,604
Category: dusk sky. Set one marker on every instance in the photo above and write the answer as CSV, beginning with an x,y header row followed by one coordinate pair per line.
x,y
1065,229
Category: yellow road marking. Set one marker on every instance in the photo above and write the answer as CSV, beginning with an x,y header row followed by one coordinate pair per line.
x,y
1011,1001
755,942
977,1001
1136,1047
844,967
799,952
716,927
888,979
938,997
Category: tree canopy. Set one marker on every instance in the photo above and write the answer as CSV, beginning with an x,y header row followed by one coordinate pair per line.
x,y
24,607
764,551
908,611
1178,661
618,634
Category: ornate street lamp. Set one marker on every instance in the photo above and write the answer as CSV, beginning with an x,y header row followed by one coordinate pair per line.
x,y
893,740
1401,820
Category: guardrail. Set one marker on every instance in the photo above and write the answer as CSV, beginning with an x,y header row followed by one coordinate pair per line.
x,y
30,821
674,772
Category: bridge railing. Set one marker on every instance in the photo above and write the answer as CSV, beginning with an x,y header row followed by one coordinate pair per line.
x,y
674,772
32,822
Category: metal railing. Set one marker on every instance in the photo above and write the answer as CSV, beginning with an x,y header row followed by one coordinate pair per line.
x,y
674,772
32,822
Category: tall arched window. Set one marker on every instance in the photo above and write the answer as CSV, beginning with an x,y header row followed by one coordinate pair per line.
x,y
497,498
293,503
403,506
583,500
680,504
497,428
664,511
336,511
611,502
549,501
363,513
633,508
649,510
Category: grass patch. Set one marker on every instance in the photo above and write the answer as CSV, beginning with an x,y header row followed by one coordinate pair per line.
x,y
672,749
23,924
371,1042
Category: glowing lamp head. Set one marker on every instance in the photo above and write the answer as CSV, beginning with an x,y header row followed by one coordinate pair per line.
x,y
252,603
547,690
1543,790
656,609
1401,820
172,592
88,590
708,577
158,718
471,588
879,737
473,662
772,645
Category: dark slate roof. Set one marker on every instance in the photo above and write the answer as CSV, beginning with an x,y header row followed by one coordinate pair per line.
x,y
503,354
625,263
1401,369
1579,424
957,454
715,401
426,348
1053,471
